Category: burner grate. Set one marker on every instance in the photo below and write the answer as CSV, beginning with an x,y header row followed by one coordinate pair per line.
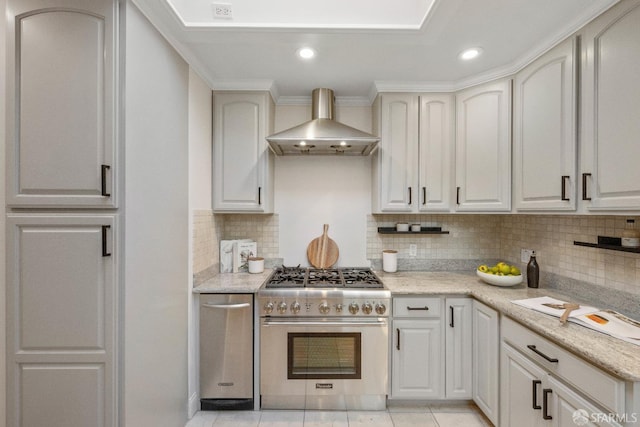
x,y
296,277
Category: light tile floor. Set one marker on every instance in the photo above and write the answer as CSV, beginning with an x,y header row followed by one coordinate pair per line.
x,y
404,415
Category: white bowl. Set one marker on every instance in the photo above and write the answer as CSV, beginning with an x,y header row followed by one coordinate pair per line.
x,y
492,279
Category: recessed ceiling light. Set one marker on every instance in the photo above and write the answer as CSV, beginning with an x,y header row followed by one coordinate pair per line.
x,y
306,53
470,53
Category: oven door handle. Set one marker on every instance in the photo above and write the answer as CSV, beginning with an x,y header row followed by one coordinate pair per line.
x,y
277,322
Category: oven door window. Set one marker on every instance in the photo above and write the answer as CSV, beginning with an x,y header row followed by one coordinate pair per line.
x,y
324,355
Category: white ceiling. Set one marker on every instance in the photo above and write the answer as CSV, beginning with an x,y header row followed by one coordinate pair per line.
x,y
413,45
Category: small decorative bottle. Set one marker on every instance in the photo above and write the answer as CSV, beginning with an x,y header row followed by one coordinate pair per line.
x,y
533,271
630,235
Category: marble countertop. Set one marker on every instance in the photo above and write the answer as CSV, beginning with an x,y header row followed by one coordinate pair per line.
x,y
233,283
615,356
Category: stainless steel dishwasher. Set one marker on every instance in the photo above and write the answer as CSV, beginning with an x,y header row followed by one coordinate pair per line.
x,y
226,351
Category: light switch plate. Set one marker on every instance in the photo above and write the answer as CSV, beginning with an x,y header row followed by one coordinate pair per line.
x,y
413,250
525,254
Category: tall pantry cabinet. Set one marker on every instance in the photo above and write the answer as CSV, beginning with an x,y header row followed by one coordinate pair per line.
x,y
77,311
62,266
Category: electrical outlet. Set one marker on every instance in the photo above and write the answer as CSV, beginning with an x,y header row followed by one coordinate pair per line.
x,y
222,10
413,250
525,254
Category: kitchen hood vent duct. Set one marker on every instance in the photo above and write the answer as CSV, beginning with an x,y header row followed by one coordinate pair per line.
x,y
322,134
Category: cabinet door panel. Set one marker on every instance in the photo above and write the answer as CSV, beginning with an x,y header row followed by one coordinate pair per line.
x,y
545,132
61,319
517,376
62,107
564,404
458,339
62,395
486,360
242,161
434,190
398,151
417,362
611,107
483,148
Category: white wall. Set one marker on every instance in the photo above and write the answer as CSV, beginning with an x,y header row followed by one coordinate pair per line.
x,y
312,191
3,340
200,123
156,220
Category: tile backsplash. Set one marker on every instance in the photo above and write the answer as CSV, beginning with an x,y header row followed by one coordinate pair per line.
x,y
552,237
471,237
493,237
207,231
264,229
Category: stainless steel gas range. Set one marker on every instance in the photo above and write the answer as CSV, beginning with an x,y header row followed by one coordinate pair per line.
x,y
324,339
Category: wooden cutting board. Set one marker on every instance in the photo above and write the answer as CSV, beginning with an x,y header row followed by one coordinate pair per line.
x,y
323,252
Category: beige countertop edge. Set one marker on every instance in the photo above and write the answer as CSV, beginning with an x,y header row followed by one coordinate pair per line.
x,y
615,356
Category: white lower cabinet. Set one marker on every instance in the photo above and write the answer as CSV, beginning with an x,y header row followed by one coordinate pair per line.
x,y
429,361
61,320
417,359
544,385
458,339
486,360
418,349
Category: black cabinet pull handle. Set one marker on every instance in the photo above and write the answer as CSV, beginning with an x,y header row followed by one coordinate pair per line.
x,y
105,251
425,308
409,195
545,403
451,312
103,179
541,354
398,341
424,195
563,189
259,195
457,195
534,394
584,186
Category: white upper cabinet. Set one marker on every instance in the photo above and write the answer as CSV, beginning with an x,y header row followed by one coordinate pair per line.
x,y
394,164
411,168
435,152
242,161
61,125
611,110
483,147
544,134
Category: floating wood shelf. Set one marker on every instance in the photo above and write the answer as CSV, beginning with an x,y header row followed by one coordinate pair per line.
x,y
611,243
423,230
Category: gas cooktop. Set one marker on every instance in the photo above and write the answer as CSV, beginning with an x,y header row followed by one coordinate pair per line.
x,y
296,277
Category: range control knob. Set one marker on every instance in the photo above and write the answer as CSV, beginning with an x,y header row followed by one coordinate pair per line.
x,y
366,308
338,308
282,307
295,307
354,308
324,308
268,307
380,308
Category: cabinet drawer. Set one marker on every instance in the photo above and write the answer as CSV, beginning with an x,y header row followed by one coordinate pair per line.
x,y
416,307
603,388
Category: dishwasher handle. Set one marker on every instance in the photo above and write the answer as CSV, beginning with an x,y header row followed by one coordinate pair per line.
x,y
227,306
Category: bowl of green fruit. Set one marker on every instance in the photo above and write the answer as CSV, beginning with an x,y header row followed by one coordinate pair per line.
x,y
501,274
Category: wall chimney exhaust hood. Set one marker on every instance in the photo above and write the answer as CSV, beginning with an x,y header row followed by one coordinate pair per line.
x,y
322,135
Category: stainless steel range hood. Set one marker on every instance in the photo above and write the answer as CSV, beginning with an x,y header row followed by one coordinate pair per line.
x,y
322,134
